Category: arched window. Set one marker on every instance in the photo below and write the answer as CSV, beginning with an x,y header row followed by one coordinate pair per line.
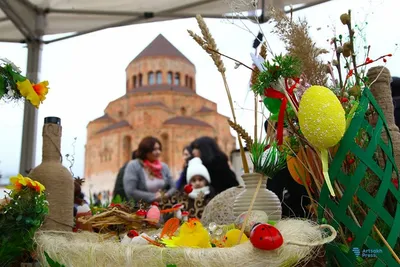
x,y
169,77
140,79
165,146
183,111
127,148
191,83
186,80
177,79
134,81
127,84
159,77
150,76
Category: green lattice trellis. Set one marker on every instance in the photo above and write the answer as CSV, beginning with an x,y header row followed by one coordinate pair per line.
x,y
366,183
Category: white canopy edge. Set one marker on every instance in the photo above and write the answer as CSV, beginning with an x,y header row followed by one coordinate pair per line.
x,y
24,20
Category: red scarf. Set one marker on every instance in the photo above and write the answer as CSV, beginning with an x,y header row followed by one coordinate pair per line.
x,y
154,168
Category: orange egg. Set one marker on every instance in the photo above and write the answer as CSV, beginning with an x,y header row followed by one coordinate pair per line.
x,y
297,169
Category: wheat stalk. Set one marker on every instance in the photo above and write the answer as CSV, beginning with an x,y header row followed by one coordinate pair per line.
x,y
207,42
242,133
263,51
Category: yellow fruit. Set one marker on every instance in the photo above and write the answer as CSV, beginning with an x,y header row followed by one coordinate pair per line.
x,y
321,117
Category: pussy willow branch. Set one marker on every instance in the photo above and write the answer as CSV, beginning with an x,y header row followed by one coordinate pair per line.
x,y
338,66
353,56
237,61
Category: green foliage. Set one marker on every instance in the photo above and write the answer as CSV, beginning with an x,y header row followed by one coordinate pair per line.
x,y
8,80
51,262
267,162
117,200
279,67
19,220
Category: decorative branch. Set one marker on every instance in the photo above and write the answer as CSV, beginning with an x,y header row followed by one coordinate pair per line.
x,y
353,55
207,43
71,158
228,57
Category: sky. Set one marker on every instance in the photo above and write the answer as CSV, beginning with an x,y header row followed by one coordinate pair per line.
x,y
87,72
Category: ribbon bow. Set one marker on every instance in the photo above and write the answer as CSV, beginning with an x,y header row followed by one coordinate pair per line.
x,y
272,93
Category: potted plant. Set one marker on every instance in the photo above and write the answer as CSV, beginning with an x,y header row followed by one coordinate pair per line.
x,y
21,215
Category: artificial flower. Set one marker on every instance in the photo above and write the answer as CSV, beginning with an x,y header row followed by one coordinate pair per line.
x,y
13,66
36,185
27,91
19,181
41,90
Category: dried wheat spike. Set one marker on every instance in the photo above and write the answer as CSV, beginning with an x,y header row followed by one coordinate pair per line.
x,y
197,38
210,43
242,133
263,51
254,75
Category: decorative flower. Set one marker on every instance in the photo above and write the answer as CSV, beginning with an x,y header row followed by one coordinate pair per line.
x,y
41,90
13,66
19,181
27,91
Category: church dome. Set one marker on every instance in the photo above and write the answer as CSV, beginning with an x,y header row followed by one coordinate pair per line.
x,y
160,65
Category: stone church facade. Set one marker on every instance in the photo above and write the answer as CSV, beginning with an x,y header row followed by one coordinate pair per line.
x,y
160,100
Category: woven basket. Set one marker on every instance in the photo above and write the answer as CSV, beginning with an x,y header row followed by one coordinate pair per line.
x,y
366,185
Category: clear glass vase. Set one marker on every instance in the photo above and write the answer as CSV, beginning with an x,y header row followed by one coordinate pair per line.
x,y
265,201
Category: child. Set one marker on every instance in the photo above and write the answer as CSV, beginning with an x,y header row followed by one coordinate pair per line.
x,y
197,175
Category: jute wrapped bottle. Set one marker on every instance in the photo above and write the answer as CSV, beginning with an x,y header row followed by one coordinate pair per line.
x,y
383,95
56,178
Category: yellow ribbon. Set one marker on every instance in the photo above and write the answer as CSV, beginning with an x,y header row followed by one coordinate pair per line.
x,y
325,168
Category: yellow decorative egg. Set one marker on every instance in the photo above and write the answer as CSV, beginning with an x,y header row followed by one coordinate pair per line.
x,y
321,117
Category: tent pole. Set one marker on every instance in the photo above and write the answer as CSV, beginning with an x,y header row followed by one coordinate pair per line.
x,y
29,130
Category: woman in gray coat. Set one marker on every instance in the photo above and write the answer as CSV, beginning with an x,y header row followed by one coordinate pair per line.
x,y
146,176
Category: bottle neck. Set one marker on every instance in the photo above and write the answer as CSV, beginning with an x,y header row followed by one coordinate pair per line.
x,y
51,142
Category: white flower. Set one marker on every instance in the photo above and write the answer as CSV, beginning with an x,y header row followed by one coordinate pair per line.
x,y
10,91
258,61
13,66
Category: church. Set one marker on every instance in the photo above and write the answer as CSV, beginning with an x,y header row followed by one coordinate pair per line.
x,y
161,101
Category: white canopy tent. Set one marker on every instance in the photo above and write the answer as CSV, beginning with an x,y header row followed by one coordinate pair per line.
x,y
27,21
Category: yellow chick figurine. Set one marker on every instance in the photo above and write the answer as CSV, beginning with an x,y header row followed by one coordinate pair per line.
x,y
192,234
232,236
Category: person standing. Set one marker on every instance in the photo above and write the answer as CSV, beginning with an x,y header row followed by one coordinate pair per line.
x,y
145,177
216,162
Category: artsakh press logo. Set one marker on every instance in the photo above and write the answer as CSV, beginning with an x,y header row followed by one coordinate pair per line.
x,y
356,252
367,253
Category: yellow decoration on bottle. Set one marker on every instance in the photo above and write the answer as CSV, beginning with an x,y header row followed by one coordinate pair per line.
x,y
322,121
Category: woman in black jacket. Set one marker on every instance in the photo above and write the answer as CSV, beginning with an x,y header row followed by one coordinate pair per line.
x,y
216,162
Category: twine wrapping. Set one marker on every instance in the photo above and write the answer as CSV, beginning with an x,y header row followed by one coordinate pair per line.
x,y
380,88
89,249
57,180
